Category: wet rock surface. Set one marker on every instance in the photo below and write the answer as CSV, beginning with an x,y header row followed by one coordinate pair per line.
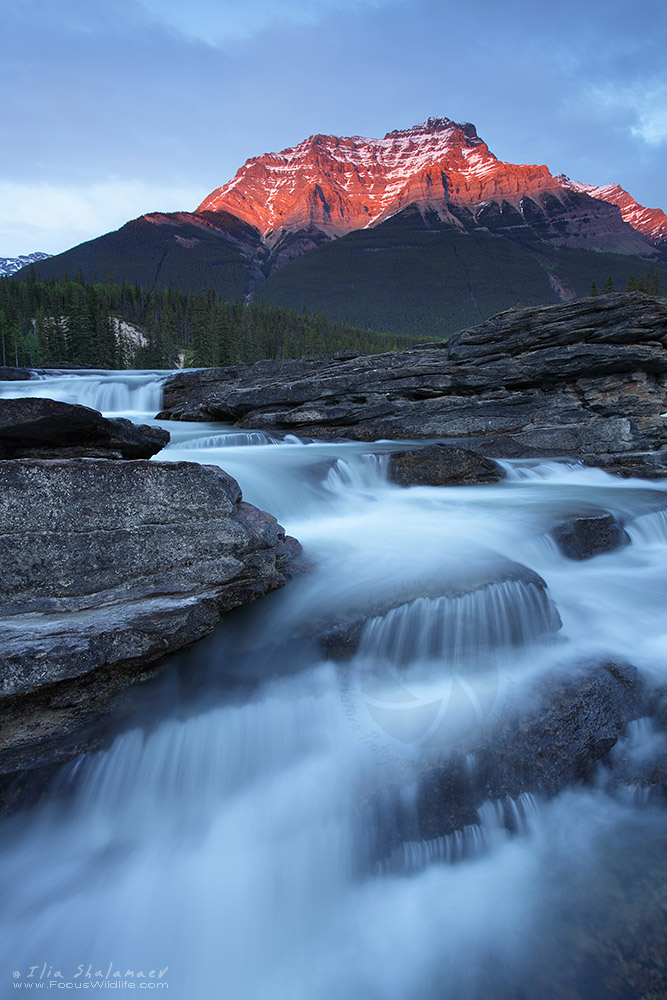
x,y
47,428
586,378
555,738
10,374
441,465
642,465
105,567
583,537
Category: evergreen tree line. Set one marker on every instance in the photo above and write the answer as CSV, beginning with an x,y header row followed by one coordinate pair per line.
x,y
119,326
649,283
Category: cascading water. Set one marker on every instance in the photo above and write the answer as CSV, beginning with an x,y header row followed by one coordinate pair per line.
x,y
131,393
252,831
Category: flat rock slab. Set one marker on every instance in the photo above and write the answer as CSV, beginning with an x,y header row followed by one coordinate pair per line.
x,y
47,428
441,465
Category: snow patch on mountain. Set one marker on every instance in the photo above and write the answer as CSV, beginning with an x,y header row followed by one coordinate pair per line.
x,y
344,183
10,265
652,222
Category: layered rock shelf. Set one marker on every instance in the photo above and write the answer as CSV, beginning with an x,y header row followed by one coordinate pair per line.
x,y
587,379
108,564
47,428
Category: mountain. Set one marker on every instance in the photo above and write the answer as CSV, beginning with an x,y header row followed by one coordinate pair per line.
x,y
652,222
10,265
338,185
424,231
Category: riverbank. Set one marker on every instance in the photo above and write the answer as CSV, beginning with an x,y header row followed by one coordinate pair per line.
x,y
585,379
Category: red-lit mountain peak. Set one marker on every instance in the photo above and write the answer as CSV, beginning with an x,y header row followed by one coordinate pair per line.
x,y
652,222
340,184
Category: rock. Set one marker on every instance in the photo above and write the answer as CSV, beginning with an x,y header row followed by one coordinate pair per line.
x,y
105,567
46,428
639,762
441,465
8,374
586,378
558,735
640,465
340,638
660,708
584,537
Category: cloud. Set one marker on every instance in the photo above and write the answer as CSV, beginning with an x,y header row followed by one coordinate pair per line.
x,y
644,105
167,96
53,218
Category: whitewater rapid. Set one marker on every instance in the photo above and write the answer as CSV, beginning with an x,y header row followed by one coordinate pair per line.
x,y
252,830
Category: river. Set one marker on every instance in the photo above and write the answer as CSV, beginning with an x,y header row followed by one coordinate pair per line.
x,y
251,832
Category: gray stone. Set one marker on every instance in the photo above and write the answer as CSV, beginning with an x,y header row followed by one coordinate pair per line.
x,y
9,374
586,378
556,737
591,535
441,465
105,567
47,428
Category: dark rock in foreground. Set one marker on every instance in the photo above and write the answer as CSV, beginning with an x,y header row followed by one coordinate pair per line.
x,y
105,567
555,739
584,537
584,378
46,428
441,465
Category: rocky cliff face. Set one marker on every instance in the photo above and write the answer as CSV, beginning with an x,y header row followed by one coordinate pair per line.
x,y
586,378
337,185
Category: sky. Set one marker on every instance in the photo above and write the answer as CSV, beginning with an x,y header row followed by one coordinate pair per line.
x,y
114,108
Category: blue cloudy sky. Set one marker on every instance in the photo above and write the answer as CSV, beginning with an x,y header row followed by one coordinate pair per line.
x,y
112,108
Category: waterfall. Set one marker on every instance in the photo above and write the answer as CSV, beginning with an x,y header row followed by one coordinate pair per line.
x,y
252,828
233,439
497,821
496,616
113,393
649,528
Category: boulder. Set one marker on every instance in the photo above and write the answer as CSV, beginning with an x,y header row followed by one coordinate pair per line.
x,y
47,428
640,465
590,535
441,465
556,737
105,567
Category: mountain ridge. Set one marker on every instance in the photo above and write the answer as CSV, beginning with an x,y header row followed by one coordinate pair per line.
x,y
10,265
424,231
338,184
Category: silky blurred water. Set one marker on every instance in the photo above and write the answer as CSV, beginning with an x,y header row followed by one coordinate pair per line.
x,y
235,831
